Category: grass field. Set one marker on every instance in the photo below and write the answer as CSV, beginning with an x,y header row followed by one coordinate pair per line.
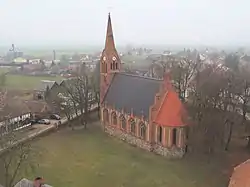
x,y
91,158
26,82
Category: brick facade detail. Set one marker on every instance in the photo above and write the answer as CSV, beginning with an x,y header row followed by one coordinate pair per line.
x,y
151,141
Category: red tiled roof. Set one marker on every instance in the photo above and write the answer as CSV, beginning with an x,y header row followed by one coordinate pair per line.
x,y
172,111
241,175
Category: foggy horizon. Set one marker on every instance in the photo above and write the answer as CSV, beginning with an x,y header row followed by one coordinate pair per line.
x,y
79,22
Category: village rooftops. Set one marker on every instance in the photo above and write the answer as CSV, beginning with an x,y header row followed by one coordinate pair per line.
x,y
44,84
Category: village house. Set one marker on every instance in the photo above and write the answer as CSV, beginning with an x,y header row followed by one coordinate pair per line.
x,y
14,116
29,68
17,109
142,111
45,87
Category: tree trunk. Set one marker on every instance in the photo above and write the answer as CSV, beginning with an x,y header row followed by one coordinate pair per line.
x,y
69,121
82,116
229,136
86,110
248,143
76,110
244,112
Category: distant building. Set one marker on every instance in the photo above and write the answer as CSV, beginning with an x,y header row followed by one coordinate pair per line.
x,y
14,116
29,68
20,60
43,88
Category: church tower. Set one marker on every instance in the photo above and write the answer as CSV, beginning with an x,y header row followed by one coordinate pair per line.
x,y
110,62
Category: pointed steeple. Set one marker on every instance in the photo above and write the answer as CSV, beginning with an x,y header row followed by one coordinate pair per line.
x,y
110,43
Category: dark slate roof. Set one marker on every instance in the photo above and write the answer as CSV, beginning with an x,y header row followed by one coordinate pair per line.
x,y
132,92
44,84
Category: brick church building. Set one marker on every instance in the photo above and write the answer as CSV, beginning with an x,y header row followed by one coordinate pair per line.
x,y
142,111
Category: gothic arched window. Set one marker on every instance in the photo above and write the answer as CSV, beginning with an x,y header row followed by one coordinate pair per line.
x,y
132,126
159,134
106,68
174,137
143,130
106,115
114,118
123,122
116,65
111,66
103,67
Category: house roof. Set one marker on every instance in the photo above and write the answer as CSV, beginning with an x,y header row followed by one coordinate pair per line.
x,y
241,175
44,84
16,107
69,82
13,108
130,92
37,106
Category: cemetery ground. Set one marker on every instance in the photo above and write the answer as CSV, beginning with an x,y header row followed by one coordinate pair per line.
x,y
91,158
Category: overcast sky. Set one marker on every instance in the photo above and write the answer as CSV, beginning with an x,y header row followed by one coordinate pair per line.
x,y
83,22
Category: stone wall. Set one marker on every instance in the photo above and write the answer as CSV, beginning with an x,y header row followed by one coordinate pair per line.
x,y
167,152
129,138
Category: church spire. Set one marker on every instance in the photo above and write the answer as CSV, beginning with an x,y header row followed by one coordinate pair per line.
x,y
110,43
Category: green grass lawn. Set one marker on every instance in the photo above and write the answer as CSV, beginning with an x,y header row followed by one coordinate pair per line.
x,y
26,82
90,158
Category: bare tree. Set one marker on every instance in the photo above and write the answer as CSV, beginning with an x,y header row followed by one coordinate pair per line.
x,y
66,107
161,65
95,82
17,159
79,90
183,70
214,110
241,88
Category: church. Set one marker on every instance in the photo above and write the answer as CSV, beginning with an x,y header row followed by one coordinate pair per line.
x,y
142,111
